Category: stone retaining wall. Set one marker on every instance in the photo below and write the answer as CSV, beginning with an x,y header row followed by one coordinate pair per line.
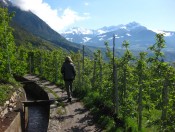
x,y
14,107
10,104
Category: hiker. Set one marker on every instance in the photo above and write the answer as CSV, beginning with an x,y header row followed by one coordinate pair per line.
x,y
69,73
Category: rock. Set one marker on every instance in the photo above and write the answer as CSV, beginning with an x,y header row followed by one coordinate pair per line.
x,y
5,111
11,109
12,100
7,103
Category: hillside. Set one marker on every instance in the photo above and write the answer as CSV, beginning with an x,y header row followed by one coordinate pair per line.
x,y
31,29
23,37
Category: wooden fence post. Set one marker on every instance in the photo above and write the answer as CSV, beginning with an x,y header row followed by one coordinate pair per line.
x,y
116,92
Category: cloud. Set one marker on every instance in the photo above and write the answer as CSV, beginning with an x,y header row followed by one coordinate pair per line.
x,y
51,16
86,3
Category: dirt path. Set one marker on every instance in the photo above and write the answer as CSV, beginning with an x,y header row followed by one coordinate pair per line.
x,y
71,117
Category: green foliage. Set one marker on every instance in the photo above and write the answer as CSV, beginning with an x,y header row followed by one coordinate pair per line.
x,y
5,92
157,48
140,82
108,123
145,84
20,63
131,124
7,46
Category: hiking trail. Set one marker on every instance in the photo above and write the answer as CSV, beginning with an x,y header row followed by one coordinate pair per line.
x,y
69,117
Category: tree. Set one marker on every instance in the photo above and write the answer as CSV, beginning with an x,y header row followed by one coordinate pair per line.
x,y
7,45
141,73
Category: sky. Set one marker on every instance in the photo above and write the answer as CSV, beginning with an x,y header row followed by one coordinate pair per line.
x,y
93,14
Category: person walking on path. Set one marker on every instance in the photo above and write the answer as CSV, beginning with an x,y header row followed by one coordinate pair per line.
x,y
68,71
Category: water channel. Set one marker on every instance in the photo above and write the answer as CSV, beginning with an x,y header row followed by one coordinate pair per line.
x,y
38,114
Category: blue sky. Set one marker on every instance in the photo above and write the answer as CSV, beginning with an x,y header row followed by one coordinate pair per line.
x,y
93,14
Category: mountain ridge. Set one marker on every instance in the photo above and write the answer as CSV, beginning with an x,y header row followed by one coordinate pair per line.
x,y
37,28
139,36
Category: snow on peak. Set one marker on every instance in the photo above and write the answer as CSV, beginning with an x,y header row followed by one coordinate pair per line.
x,y
85,39
128,34
101,31
165,33
70,39
123,27
79,30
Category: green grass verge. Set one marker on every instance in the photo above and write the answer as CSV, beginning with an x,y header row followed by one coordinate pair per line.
x,y
5,92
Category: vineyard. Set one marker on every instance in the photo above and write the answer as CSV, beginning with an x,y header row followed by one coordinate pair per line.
x,y
127,93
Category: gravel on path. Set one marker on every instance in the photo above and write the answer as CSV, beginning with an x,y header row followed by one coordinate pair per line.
x,y
68,117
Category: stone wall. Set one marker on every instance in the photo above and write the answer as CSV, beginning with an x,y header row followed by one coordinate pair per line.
x,y
12,112
9,105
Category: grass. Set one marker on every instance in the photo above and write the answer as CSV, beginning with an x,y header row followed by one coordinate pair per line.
x,y
7,88
5,92
148,124
51,91
61,110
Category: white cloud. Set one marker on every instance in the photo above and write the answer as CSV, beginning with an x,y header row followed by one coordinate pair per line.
x,y
55,19
86,3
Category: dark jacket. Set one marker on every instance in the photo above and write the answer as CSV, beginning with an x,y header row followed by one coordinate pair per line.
x,y
68,71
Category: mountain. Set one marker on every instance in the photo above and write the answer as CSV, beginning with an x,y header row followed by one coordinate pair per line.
x,y
138,36
29,28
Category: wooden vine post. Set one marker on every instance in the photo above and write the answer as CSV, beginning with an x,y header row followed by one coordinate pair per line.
x,y
101,74
164,100
94,71
56,69
140,82
79,75
41,65
83,67
30,63
116,92
165,95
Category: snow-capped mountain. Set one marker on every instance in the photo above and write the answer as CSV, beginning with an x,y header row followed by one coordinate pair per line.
x,y
137,35
79,35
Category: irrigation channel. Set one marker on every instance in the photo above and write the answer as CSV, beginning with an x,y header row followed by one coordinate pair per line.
x,y
38,112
